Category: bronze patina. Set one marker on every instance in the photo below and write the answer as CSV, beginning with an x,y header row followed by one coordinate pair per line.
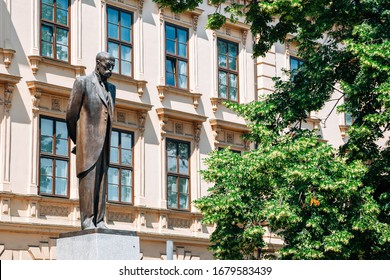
x,y
89,114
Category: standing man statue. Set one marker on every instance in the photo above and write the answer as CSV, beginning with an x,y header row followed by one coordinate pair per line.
x,y
88,118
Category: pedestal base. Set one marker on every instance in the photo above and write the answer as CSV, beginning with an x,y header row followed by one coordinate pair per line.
x,y
98,244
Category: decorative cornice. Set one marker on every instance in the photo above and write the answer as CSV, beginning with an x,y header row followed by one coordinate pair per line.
x,y
165,114
217,123
164,90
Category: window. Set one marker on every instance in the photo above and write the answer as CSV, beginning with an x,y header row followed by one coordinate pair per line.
x,y
119,41
176,62
227,70
55,29
120,171
178,171
54,157
295,63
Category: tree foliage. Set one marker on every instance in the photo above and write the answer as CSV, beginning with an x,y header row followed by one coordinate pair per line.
x,y
325,203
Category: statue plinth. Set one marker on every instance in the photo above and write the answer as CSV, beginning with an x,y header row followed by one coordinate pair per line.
x,y
98,244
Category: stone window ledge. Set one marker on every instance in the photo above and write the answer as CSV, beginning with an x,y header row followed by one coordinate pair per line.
x,y
36,61
164,90
140,84
217,101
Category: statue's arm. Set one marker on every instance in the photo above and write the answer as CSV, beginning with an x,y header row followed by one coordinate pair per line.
x,y
74,107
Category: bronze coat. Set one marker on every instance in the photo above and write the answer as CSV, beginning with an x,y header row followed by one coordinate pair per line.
x,y
88,119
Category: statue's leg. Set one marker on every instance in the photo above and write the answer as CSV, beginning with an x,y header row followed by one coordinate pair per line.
x,y
86,196
103,185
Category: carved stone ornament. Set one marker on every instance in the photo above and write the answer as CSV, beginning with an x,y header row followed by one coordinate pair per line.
x,y
52,210
180,223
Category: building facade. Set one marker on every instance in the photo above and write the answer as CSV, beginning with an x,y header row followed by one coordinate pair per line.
x,y
171,75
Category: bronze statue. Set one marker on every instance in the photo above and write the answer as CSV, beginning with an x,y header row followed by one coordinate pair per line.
x,y
88,118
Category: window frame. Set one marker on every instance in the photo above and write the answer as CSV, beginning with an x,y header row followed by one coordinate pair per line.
x,y
178,174
120,166
54,157
176,57
55,25
228,71
119,41
300,63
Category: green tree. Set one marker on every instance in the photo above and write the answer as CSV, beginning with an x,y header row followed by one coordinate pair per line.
x,y
325,203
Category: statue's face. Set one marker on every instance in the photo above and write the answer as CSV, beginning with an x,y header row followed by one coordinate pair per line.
x,y
105,67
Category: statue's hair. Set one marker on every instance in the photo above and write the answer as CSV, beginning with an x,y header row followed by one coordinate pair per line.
x,y
104,55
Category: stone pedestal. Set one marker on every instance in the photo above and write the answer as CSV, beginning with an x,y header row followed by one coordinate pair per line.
x,y
98,244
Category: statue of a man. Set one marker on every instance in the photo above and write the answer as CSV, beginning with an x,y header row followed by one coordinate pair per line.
x,y
88,118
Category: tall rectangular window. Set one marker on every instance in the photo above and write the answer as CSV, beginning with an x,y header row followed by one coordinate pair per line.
x,y
227,70
176,56
178,174
55,27
120,171
119,39
54,157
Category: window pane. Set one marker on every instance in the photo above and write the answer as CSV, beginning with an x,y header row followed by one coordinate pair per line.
x,y
46,184
183,185
222,48
170,32
222,90
113,15
126,178
113,176
126,68
115,139
47,33
47,144
232,63
47,49
126,194
61,186
172,192
348,119
114,50
113,192
126,140
169,68
294,63
46,167
61,168
62,147
62,37
172,152
62,16
47,127
50,2
233,94
183,201
114,155
126,53
183,50
62,52
222,60
183,158
182,74
222,78
170,46
125,19
62,4
47,12
182,36
233,81
126,157
125,34
233,50
113,31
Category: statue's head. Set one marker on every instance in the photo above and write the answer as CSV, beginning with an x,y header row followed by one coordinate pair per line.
x,y
105,62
